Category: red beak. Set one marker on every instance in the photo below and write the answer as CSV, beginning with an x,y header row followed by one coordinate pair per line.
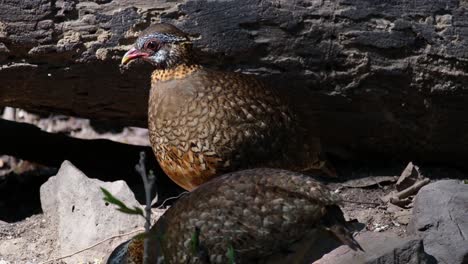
x,y
133,54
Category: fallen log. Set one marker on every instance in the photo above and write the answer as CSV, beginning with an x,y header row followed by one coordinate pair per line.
x,y
388,79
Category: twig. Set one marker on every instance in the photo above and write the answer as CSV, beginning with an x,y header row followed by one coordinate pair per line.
x,y
358,202
171,198
412,189
400,202
90,247
148,182
401,198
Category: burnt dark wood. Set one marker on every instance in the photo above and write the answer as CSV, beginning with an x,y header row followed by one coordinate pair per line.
x,y
388,78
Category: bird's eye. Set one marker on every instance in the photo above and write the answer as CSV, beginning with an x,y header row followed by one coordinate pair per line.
x,y
152,45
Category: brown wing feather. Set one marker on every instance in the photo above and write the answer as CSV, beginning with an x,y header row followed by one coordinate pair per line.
x,y
232,121
187,169
257,212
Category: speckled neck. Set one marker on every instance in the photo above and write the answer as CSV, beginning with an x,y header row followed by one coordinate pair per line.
x,y
178,72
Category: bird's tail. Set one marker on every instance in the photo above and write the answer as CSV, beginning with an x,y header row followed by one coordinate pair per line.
x,y
345,236
336,224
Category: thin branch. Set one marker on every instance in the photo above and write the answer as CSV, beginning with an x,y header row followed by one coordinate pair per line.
x,y
402,198
412,189
90,247
359,202
171,198
148,182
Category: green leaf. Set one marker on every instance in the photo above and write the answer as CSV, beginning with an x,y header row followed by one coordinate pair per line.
x,y
465,181
231,255
161,238
108,197
139,210
195,241
127,210
140,236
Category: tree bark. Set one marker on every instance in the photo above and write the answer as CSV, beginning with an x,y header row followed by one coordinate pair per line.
x,y
388,78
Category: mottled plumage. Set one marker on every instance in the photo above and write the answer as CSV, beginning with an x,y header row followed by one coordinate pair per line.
x,y
204,122
256,212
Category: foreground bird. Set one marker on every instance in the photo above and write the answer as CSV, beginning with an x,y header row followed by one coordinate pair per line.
x,y
204,123
244,216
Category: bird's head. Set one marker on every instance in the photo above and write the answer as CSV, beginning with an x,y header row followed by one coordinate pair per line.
x,y
162,45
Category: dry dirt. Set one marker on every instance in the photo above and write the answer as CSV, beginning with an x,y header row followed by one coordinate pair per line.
x,y
28,240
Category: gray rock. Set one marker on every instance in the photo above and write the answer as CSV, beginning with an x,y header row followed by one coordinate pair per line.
x,y
380,248
74,204
440,217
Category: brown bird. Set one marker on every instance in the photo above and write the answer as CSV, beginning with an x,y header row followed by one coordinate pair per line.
x,y
246,216
204,123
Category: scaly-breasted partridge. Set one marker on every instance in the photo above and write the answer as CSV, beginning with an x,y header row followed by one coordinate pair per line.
x,y
204,123
246,216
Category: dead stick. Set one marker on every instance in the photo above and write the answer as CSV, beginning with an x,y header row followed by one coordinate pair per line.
x,y
87,248
400,202
412,189
148,182
359,202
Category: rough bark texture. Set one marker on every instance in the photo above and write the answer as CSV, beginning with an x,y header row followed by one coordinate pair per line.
x,y
387,77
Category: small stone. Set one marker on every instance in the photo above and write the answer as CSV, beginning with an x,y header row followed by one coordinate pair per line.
x,y
74,204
